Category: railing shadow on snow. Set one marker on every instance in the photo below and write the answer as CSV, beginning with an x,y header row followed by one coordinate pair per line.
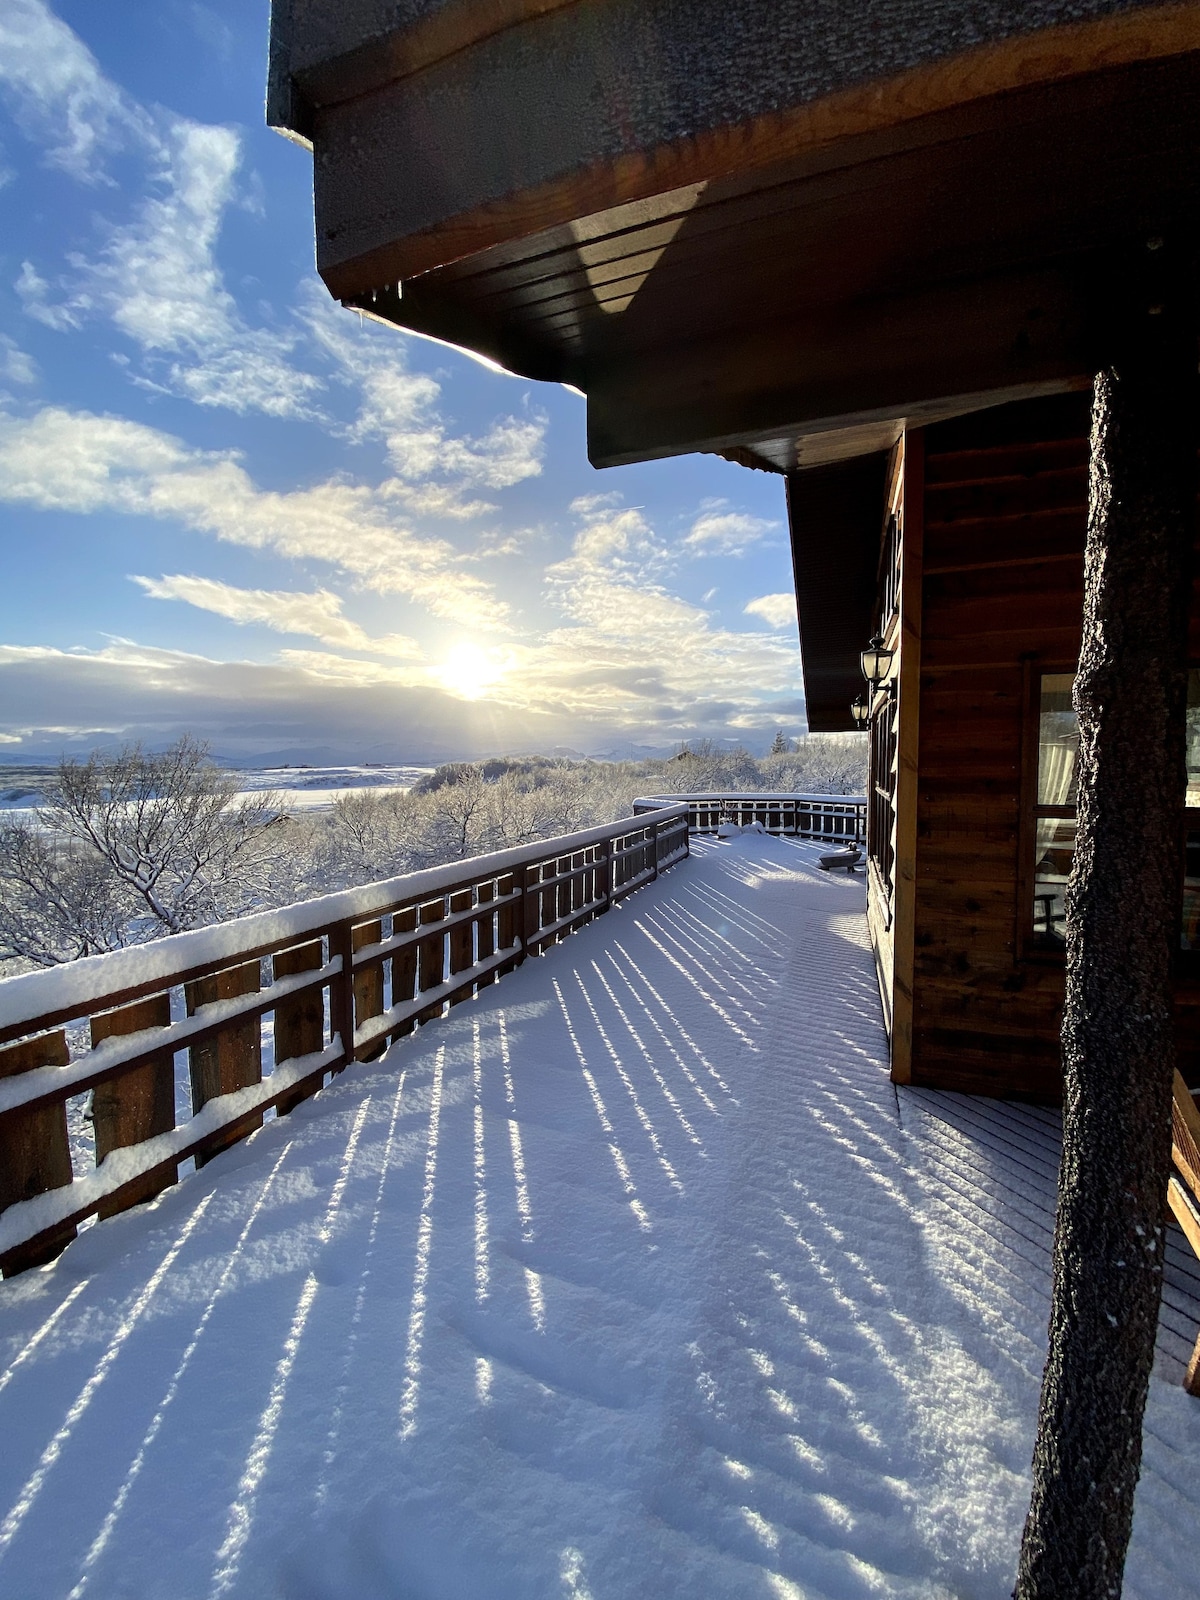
x,y
302,991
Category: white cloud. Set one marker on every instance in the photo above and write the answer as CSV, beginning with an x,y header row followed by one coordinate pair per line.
x,y
778,610
156,277
445,501
725,533
158,281
60,96
76,461
632,652
163,286
15,364
399,407
619,544
32,291
286,611
592,505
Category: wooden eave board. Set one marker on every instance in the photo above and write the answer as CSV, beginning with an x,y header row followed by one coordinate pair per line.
x,y
1030,177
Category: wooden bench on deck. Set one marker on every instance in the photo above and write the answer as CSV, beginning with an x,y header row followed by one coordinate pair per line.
x,y
1183,1190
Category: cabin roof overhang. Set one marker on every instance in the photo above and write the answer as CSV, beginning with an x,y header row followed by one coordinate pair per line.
x,y
835,515
746,228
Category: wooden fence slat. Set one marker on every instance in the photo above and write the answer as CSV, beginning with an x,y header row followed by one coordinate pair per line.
x,y
368,982
35,1149
299,1019
137,1104
431,956
485,930
462,941
507,922
230,1061
341,992
404,968
531,910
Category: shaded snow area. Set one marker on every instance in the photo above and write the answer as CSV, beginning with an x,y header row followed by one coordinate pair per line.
x,y
634,1278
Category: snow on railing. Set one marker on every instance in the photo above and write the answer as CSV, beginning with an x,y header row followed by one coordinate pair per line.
x,y
304,990
838,817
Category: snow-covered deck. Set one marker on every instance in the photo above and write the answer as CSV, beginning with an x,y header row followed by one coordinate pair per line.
x,y
635,1277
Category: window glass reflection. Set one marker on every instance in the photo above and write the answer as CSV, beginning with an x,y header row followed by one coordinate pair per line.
x,y
1193,739
1058,741
1052,867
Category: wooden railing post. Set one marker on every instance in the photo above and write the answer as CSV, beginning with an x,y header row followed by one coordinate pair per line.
x,y
135,1105
35,1150
299,1019
231,1061
653,850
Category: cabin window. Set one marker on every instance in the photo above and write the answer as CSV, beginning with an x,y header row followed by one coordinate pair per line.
x,y
1054,813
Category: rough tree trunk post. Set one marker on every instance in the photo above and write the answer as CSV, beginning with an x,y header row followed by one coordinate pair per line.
x,y
1123,919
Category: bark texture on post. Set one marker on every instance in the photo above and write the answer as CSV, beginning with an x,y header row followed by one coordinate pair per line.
x,y
1123,920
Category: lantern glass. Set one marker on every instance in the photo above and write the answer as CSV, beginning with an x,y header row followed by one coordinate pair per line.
x,y
861,712
876,660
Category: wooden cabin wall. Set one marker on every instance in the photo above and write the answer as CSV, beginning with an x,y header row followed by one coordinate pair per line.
x,y
1005,502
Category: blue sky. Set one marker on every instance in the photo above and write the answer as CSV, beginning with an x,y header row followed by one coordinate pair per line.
x,y
228,506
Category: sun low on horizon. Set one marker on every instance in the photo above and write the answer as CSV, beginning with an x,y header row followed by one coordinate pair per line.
x,y
235,509
469,671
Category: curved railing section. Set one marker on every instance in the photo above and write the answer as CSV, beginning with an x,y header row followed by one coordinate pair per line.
x,y
224,1023
837,818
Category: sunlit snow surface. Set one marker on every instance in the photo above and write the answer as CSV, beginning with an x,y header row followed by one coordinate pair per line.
x,y
634,1278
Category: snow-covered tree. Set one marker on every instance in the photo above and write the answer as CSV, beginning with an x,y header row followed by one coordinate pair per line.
x,y
172,827
58,901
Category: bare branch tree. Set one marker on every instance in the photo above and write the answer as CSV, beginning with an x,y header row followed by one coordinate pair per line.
x,y
58,901
171,826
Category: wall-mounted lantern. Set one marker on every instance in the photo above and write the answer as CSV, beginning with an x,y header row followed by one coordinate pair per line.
x,y
861,712
876,661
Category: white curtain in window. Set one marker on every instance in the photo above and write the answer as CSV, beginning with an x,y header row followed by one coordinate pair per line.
x,y
1056,768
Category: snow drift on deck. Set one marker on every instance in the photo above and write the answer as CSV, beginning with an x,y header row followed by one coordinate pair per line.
x,y
634,1278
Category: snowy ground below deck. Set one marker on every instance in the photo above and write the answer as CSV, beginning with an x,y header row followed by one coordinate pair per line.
x,y
635,1278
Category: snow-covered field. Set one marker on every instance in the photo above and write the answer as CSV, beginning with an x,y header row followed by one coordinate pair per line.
x,y
311,788
298,788
633,1278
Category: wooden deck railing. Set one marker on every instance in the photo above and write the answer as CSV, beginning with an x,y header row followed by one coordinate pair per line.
x,y
311,987
841,818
